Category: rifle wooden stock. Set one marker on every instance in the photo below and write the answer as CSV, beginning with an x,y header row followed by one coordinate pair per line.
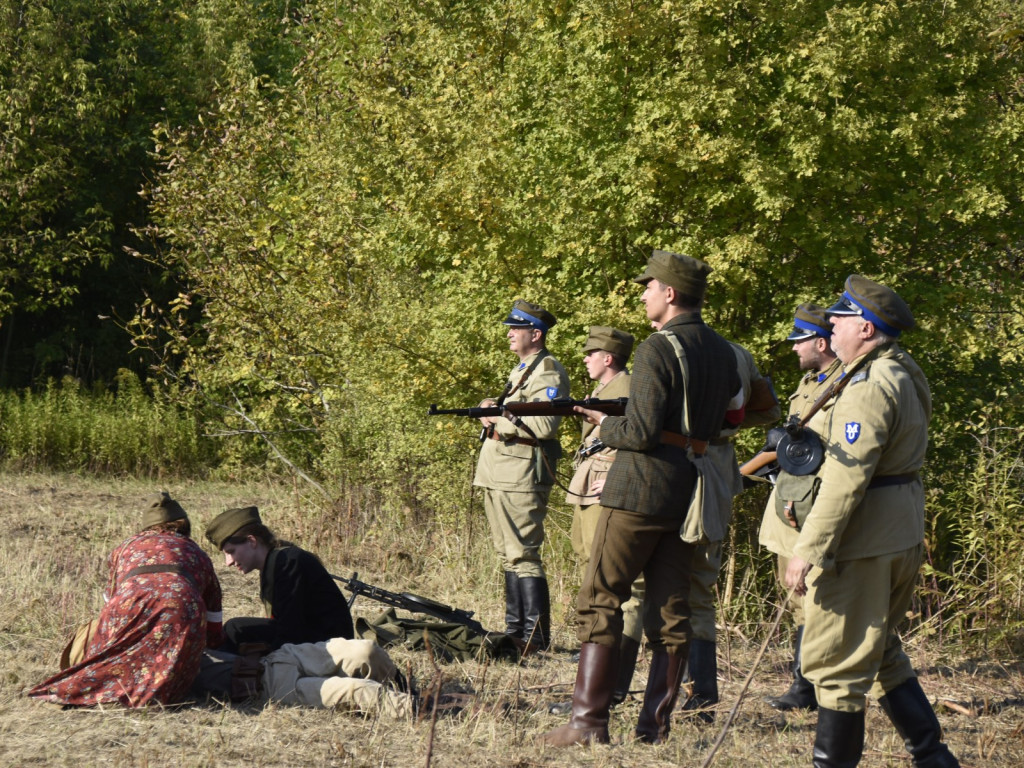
x,y
562,406
762,459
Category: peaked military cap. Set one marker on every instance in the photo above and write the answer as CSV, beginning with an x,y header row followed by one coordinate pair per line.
x,y
686,274
876,303
527,315
810,321
229,522
609,339
162,509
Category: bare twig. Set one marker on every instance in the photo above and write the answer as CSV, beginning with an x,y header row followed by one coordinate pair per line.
x,y
746,683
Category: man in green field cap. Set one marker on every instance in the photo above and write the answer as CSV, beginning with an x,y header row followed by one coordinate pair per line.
x,y
515,470
857,557
812,343
684,378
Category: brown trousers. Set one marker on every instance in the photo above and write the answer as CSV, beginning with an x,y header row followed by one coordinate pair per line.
x,y
626,545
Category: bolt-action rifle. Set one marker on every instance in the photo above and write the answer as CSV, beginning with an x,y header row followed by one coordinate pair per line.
x,y
561,406
410,602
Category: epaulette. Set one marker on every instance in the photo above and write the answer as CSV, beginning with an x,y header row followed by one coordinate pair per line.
x,y
861,375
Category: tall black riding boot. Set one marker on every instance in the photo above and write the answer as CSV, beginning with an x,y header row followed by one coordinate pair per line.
x,y
663,683
536,612
839,740
629,649
513,606
702,672
591,699
801,693
915,721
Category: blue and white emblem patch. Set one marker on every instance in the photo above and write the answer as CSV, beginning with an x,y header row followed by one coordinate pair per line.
x,y
551,392
852,431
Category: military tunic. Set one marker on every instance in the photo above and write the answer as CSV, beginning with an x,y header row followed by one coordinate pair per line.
x,y
775,535
864,533
512,473
588,510
646,495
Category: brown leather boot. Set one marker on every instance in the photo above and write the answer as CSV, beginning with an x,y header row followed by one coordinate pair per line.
x,y
595,681
660,697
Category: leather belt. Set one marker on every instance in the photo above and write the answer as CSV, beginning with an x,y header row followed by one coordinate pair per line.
x,y
884,481
685,442
166,568
514,440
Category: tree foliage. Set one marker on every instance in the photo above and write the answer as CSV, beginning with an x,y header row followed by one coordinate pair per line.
x,y
353,237
82,83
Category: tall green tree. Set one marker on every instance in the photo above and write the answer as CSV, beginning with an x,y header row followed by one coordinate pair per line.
x,y
82,84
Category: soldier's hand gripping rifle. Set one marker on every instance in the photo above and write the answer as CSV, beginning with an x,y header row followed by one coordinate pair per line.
x,y
410,602
561,406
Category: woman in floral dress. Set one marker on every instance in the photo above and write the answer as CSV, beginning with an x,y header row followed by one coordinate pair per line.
x,y
164,608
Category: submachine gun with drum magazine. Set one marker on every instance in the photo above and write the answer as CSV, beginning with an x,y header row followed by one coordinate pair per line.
x,y
410,602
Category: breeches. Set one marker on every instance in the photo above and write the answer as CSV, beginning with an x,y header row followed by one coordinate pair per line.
x,y
850,646
626,545
517,528
584,524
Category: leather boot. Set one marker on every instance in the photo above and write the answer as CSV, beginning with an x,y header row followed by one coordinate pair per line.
x,y
536,612
663,683
629,649
909,710
839,740
591,699
702,671
801,693
513,606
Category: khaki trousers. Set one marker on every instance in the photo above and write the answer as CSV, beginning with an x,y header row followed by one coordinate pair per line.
x,y
584,524
517,528
850,646
347,675
626,545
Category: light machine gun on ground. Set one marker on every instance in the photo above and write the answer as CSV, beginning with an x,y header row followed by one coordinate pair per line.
x,y
410,602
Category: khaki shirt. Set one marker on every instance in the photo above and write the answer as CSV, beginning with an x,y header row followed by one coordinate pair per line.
x,y
596,465
510,466
877,428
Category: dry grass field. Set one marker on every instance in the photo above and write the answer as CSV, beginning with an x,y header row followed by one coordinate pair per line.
x,y
59,529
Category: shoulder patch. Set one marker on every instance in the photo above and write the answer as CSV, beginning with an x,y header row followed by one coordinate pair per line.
x,y
852,431
551,392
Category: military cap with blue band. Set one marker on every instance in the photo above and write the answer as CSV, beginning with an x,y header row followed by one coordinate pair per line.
x,y
527,315
876,303
810,321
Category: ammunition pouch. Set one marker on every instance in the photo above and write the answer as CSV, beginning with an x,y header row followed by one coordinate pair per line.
x,y
794,497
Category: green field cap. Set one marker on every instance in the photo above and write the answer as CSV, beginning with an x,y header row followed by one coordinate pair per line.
x,y
162,509
686,274
609,339
228,523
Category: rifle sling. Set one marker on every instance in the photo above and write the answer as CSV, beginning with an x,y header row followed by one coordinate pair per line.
x,y
514,440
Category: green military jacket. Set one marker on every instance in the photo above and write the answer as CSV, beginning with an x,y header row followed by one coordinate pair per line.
x,y
509,465
775,535
648,475
595,465
871,500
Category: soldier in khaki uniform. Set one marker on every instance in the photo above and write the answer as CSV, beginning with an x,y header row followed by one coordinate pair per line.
x,y
606,352
859,550
644,501
513,469
760,407
812,343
